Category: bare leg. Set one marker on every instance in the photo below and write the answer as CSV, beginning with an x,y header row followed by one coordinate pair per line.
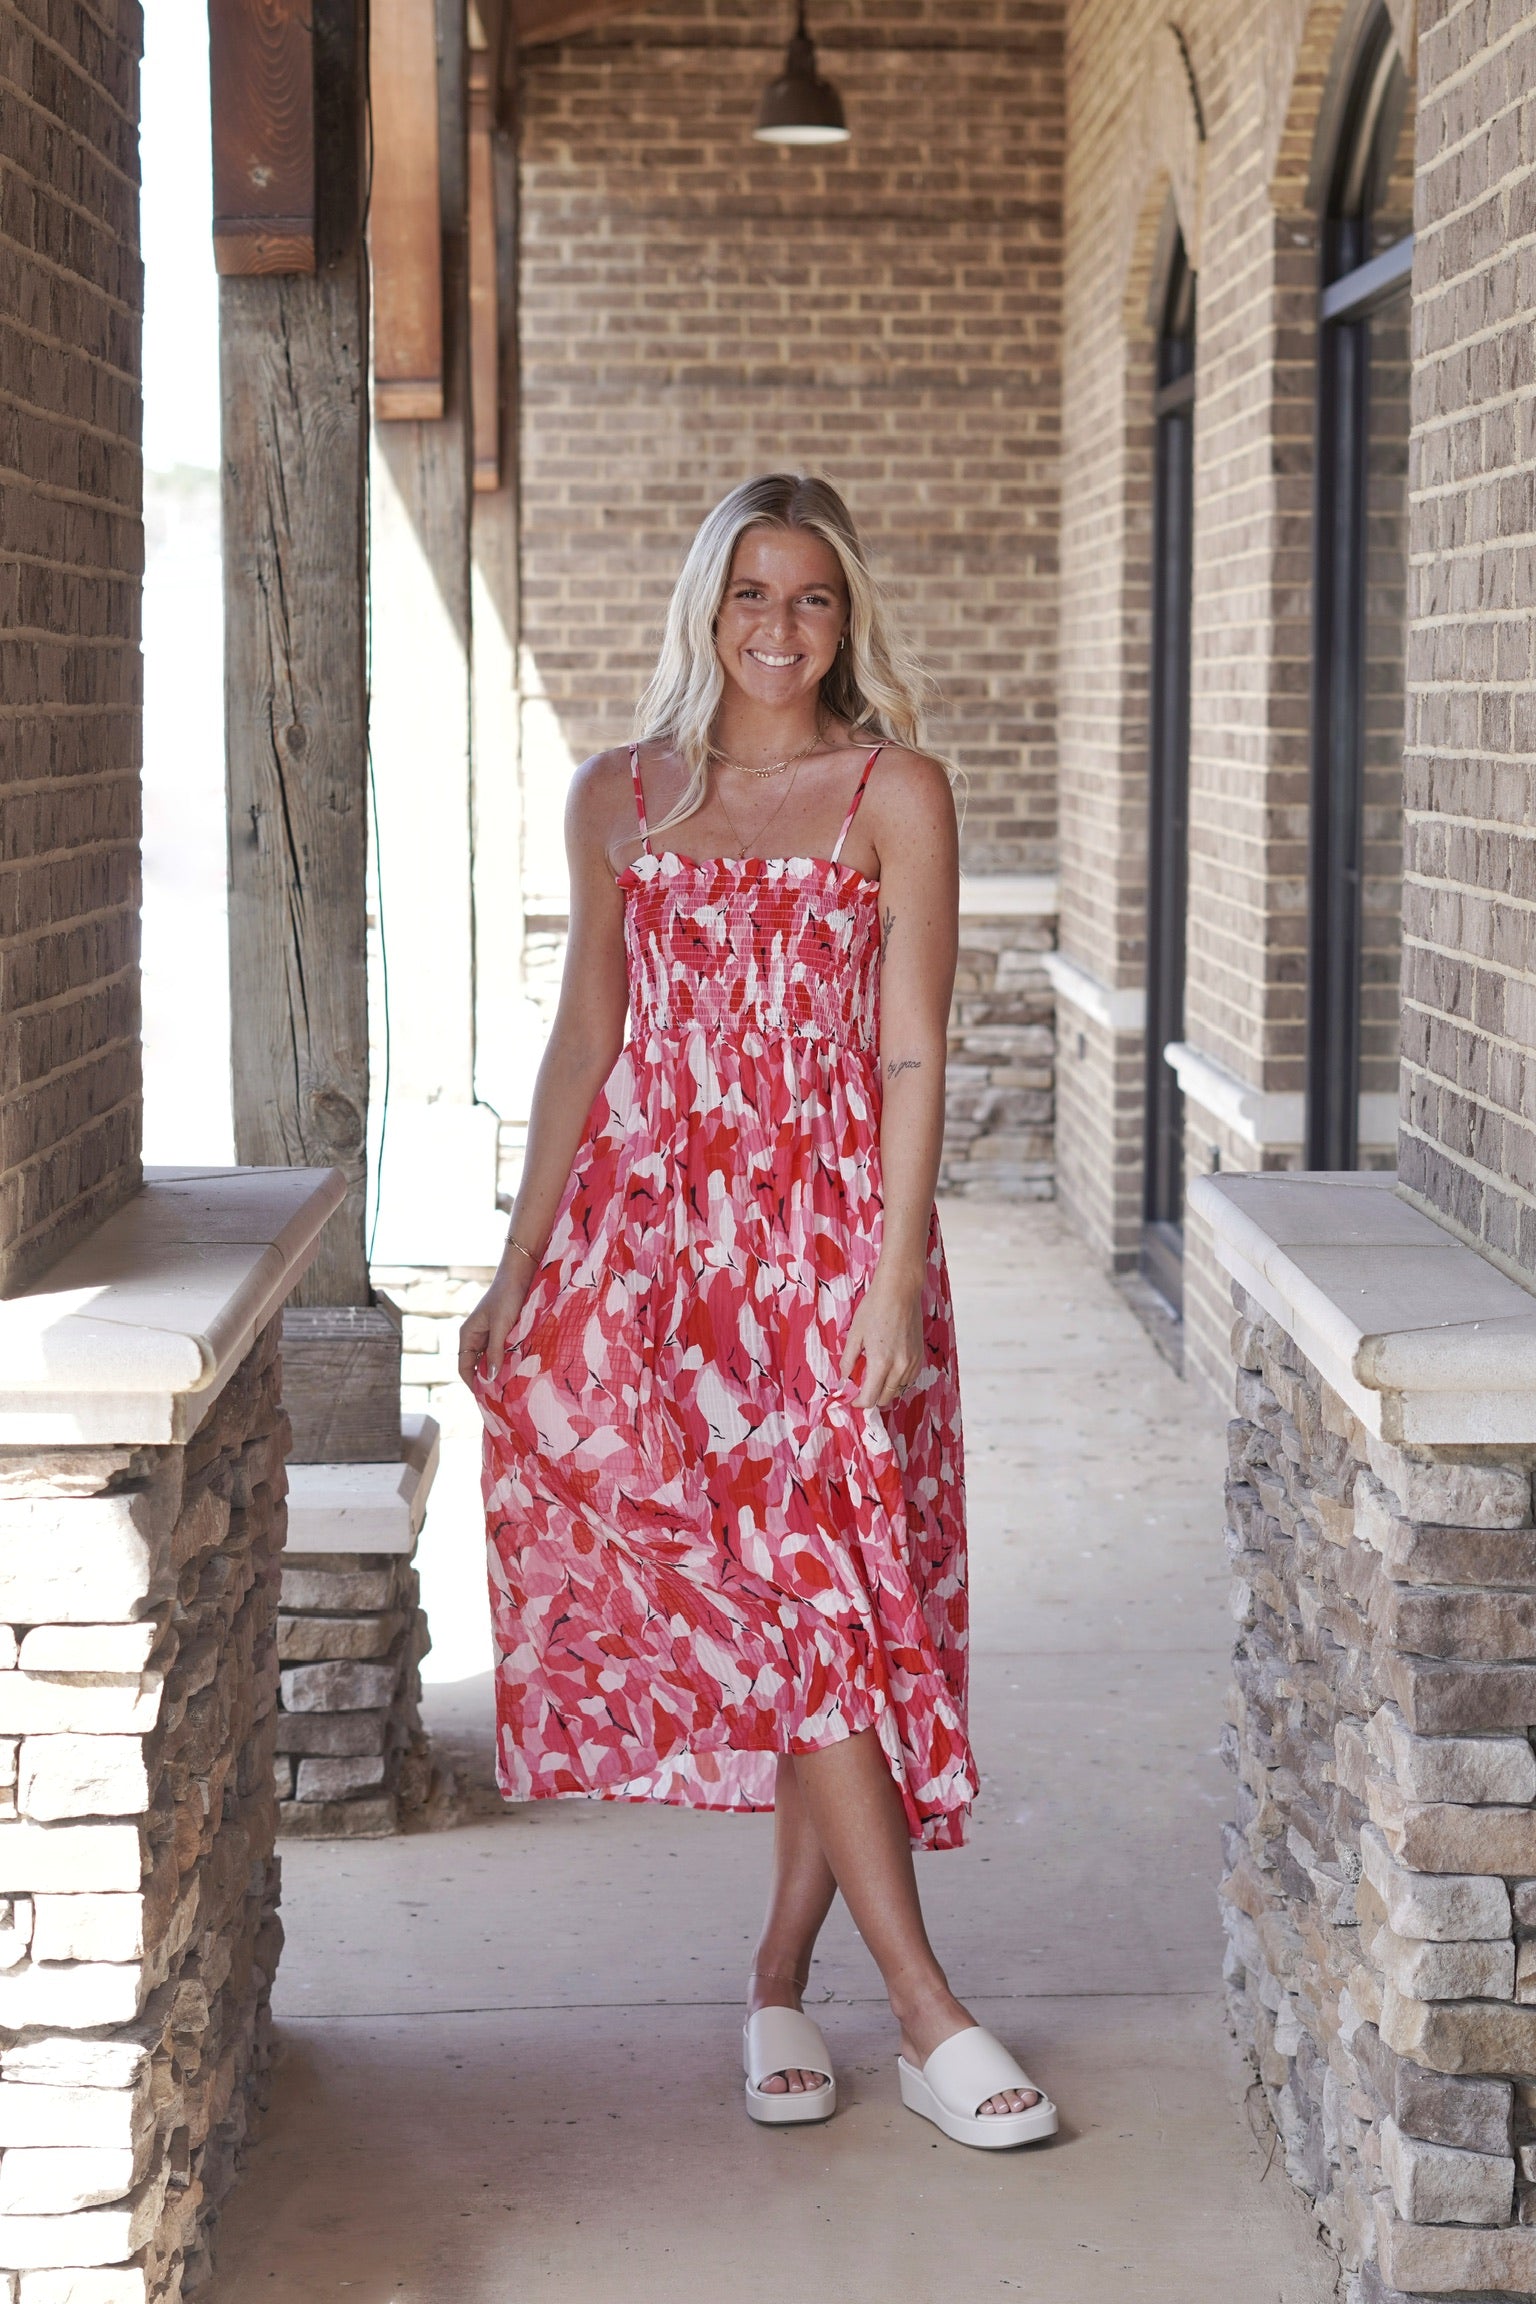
x,y
859,1821
798,1902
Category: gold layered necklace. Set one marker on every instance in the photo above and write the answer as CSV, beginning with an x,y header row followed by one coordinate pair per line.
x,y
741,845
774,767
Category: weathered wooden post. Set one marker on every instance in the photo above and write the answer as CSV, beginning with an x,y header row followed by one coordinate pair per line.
x,y
289,94
293,306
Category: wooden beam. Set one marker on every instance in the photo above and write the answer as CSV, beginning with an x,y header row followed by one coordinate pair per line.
x,y
295,433
540,21
261,55
484,300
405,221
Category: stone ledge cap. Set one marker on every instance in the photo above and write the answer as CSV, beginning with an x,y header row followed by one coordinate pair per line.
x,y
1425,1340
365,1508
129,1337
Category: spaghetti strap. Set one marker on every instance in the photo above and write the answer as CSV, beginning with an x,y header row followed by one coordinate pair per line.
x,y
853,805
634,773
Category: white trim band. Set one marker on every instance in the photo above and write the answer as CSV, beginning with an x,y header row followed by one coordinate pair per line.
x,y
1426,1341
1266,1119
1116,1009
131,1336
1009,896
1271,1120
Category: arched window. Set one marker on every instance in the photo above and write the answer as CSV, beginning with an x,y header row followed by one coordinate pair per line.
x,y
1360,605
1168,780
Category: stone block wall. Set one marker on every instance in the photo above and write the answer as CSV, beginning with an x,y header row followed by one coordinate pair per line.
x,y
1380,1894
138,1887
351,1755
695,307
71,556
999,1127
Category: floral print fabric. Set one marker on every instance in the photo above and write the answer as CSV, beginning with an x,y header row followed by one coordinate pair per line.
x,y
701,1553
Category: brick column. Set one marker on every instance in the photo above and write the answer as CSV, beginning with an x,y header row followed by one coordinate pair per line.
x,y
1468,1142
71,556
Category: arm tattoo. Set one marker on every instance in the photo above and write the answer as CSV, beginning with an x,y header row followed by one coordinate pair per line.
x,y
899,1064
886,925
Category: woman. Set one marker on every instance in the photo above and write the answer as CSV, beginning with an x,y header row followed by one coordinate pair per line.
x,y
722,1464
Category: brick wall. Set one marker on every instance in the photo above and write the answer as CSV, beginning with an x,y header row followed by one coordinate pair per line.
x,y
1232,163
1469,1087
696,306
1144,151
71,553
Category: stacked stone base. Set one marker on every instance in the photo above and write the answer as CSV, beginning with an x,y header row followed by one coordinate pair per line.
x,y
350,1756
1000,1085
138,1928
1380,1896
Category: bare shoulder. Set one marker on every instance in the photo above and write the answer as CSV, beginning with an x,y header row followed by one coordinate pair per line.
x,y
601,782
600,806
910,797
910,775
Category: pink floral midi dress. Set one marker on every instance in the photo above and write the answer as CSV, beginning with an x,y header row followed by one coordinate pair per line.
x,y
702,1554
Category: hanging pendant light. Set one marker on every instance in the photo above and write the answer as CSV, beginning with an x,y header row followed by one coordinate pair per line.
x,y
800,107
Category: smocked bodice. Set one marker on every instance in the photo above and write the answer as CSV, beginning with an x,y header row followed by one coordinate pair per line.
x,y
778,944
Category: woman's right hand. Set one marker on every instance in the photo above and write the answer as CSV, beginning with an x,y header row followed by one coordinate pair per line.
x,y
484,1334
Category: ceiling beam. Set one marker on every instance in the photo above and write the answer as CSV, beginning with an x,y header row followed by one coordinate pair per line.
x,y
262,55
540,21
405,222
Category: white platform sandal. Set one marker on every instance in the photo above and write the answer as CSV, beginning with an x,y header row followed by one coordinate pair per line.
x,y
785,2040
961,2074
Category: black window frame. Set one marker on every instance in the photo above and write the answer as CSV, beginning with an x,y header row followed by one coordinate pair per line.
x,y
1354,282
1173,406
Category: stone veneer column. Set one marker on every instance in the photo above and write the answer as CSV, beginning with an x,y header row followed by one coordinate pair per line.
x,y
1380,1891
142,1442
351,1756
999,1136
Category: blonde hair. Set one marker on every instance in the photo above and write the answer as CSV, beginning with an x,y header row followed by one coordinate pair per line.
x,y
875,685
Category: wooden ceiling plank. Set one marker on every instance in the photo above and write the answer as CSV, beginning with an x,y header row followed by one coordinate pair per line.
x,y
484,315
405,228
261,55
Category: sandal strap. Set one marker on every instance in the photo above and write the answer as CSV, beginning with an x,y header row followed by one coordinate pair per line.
x,y
784,2040
971,2066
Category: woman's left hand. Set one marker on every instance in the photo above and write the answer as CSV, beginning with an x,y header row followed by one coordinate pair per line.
x,y
886,1333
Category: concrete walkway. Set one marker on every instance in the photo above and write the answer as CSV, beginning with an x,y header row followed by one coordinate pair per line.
x,y
510,2051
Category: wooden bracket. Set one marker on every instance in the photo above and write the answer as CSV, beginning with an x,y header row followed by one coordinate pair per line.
x,y
405,224
261,54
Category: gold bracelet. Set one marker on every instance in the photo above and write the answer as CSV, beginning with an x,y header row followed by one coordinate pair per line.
x,y
522,1251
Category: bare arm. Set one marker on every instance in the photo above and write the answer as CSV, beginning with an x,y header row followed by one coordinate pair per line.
x,y
588,1034
919,908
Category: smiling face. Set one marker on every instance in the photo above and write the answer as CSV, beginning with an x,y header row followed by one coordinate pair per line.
x,y
784,611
